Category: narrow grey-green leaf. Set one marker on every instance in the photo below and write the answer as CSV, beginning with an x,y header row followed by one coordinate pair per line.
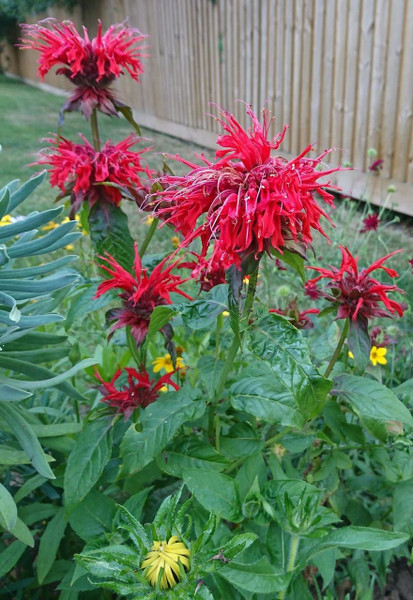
x,y
49,544
8,509
10,556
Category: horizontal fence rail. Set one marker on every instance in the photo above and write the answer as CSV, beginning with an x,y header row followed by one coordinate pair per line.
x,y
337,71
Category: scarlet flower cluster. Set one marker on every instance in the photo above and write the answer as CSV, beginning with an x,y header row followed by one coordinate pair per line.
x,y
250,202
140,390
356,294
92,65
140,293
80,171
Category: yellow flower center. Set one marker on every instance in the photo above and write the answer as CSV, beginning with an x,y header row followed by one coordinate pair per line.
x,y
163,562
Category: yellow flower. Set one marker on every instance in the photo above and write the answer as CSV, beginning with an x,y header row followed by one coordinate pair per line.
x,y
175,241
6,220
167,556
225,313
70,247
165,362
49,226
377,355
149,220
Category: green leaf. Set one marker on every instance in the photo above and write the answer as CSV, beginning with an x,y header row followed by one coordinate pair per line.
x,y
10,556
201,313
159,423
55,380
355,538
128,114
86,303
190,454
23,533
18,196
93,516
293,260
135,503
29,486
283,348
49,544
55,239
359,342
27,439
37,511
56,429
371,399
259,577
215,491
32,221
241,440
8,509
87,460
259,393
403,506
4,201
160,316
109,232
9,393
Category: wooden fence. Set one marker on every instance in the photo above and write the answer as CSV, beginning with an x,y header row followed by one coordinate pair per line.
x,y
339,72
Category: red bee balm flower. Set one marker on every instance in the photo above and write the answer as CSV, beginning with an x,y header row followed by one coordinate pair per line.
x,y
370,223
77,168
356,293
140,293
250,202
140,391
92,65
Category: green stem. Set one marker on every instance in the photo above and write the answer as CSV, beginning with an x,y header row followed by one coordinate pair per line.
x,y
95,130
220,324
294,545
148,238
231,355
337,350
132,347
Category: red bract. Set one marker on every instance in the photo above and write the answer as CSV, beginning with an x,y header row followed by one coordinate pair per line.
x,y
140,293
206,272
250,202
77,168
140,391
92,65
356,294
371,222
297,318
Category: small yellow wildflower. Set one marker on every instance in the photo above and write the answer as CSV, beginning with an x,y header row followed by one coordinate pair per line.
x,y
70,247
6,220
377,355
165,362
175,241
166,555
225,313
149,220
49,226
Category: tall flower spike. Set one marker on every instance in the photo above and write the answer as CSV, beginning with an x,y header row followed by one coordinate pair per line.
x,y
357,295
91,65
140,390
249,202
139,293
79,170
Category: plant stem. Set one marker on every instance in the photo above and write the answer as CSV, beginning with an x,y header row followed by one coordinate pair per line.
x,y
337,350
220,324
148,238
95,130
132,347
231,355
294,545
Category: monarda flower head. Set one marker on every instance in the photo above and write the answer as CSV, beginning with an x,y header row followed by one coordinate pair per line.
x,y
140,293
357,295
79,170
249,201
91,65
139,391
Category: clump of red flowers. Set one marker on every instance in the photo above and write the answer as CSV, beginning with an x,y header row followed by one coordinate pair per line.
x,y
357,295
139,391
249,201
370,223
90,64
140,293
79,170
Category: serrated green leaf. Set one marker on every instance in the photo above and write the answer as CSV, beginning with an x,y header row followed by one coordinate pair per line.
x,y
293,260
283,348
86,303
359,342
371,399
109,232
87,461
49,544
189,454
203,311
259,577
215,491
159,422
27,439
93,516
160,316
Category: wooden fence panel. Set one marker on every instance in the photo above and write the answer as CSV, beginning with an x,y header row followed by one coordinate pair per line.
x,y
337,71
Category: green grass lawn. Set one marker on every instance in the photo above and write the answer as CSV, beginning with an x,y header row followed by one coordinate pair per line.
x,y
30,114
